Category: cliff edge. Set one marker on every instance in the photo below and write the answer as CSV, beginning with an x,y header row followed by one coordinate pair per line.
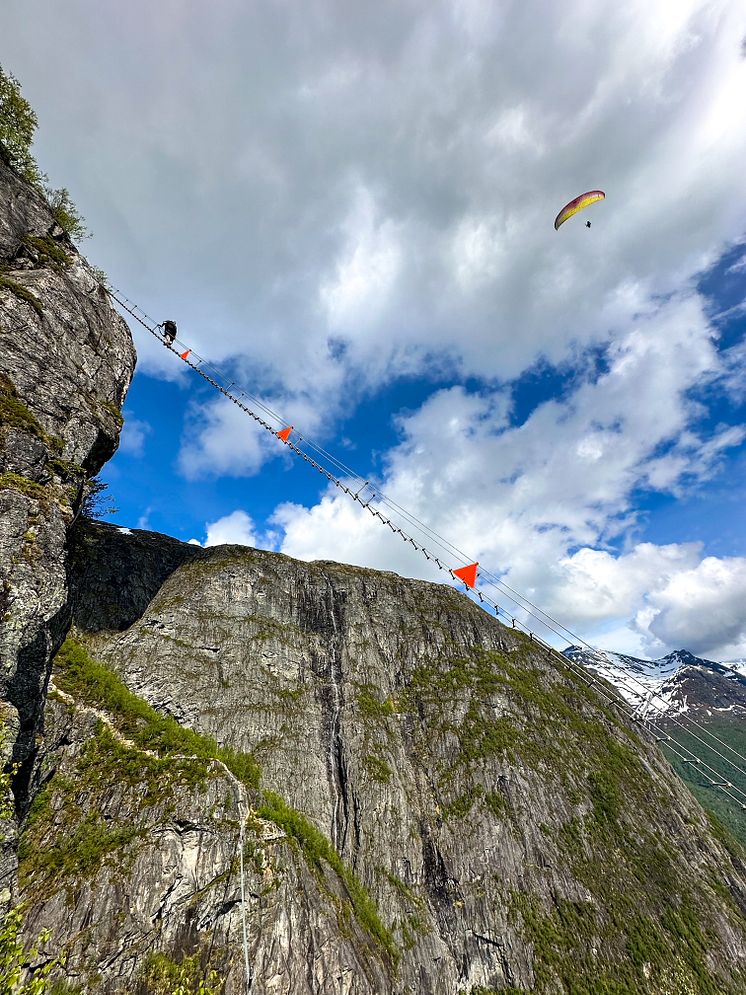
x,y
66,361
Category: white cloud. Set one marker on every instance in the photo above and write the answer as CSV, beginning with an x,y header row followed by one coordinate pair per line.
x,y
537,503
365,274
702,609
376,195
134,433
338,530
221,439
372,181
236,528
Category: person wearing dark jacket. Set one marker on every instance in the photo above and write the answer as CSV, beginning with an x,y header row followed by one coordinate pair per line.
x,y
169,332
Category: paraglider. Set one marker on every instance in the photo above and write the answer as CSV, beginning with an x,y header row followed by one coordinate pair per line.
x,y
578,204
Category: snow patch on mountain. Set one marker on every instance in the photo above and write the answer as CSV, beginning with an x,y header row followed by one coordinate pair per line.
x,y
738,665
673,685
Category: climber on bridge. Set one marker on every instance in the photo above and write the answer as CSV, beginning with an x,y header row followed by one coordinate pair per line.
x,y
169,331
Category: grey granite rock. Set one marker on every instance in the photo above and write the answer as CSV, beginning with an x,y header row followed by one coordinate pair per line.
x,y
512,831
66,360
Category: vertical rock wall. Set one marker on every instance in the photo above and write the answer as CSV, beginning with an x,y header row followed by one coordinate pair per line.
x,y
66,361
510,831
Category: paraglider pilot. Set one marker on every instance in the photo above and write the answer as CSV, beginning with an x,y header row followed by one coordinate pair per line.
x,y
579,204
169,332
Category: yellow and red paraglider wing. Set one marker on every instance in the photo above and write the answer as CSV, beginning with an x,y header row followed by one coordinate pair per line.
x,y
577,205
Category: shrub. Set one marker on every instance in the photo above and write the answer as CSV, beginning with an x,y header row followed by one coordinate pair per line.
x,y
66,214
17,126
97,503
14,958
163,976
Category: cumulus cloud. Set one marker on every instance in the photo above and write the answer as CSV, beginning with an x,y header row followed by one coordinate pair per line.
x,y
220,439
701,608
237,528
339,530
541,502
367,190
385,180
365,274
134,434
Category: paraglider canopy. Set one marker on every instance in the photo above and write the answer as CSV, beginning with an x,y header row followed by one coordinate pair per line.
x,y
577,205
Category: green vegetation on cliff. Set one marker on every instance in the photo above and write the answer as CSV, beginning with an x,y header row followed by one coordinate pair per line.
x,y
69,833
190,975
48,252
725,810
650,954
88,681
501,709
316,848
157,756
29,488
18,290
15,414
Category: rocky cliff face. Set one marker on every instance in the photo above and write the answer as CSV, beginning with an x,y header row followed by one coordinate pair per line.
x,y
66,360
441,807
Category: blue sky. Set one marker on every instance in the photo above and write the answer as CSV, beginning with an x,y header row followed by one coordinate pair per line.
x,y
350,210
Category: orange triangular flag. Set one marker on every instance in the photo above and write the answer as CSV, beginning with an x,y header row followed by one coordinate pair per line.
x,y
183,355
284,434
468,574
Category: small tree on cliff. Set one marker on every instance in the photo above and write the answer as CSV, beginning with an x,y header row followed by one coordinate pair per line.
x,y
97,502
17,126
18,123
15,959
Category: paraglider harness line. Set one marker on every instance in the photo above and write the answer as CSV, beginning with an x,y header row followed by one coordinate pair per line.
x,y
523,603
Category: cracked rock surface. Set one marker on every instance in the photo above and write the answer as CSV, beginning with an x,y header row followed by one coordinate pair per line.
x,y
512,831
66,360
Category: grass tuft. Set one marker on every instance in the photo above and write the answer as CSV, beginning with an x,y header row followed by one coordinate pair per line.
x,y
317,849
91,682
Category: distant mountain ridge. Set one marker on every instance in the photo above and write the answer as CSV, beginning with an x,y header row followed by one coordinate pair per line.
x,y
672,685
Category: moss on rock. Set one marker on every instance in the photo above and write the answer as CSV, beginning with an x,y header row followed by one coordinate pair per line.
x,y
18,290
78,674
